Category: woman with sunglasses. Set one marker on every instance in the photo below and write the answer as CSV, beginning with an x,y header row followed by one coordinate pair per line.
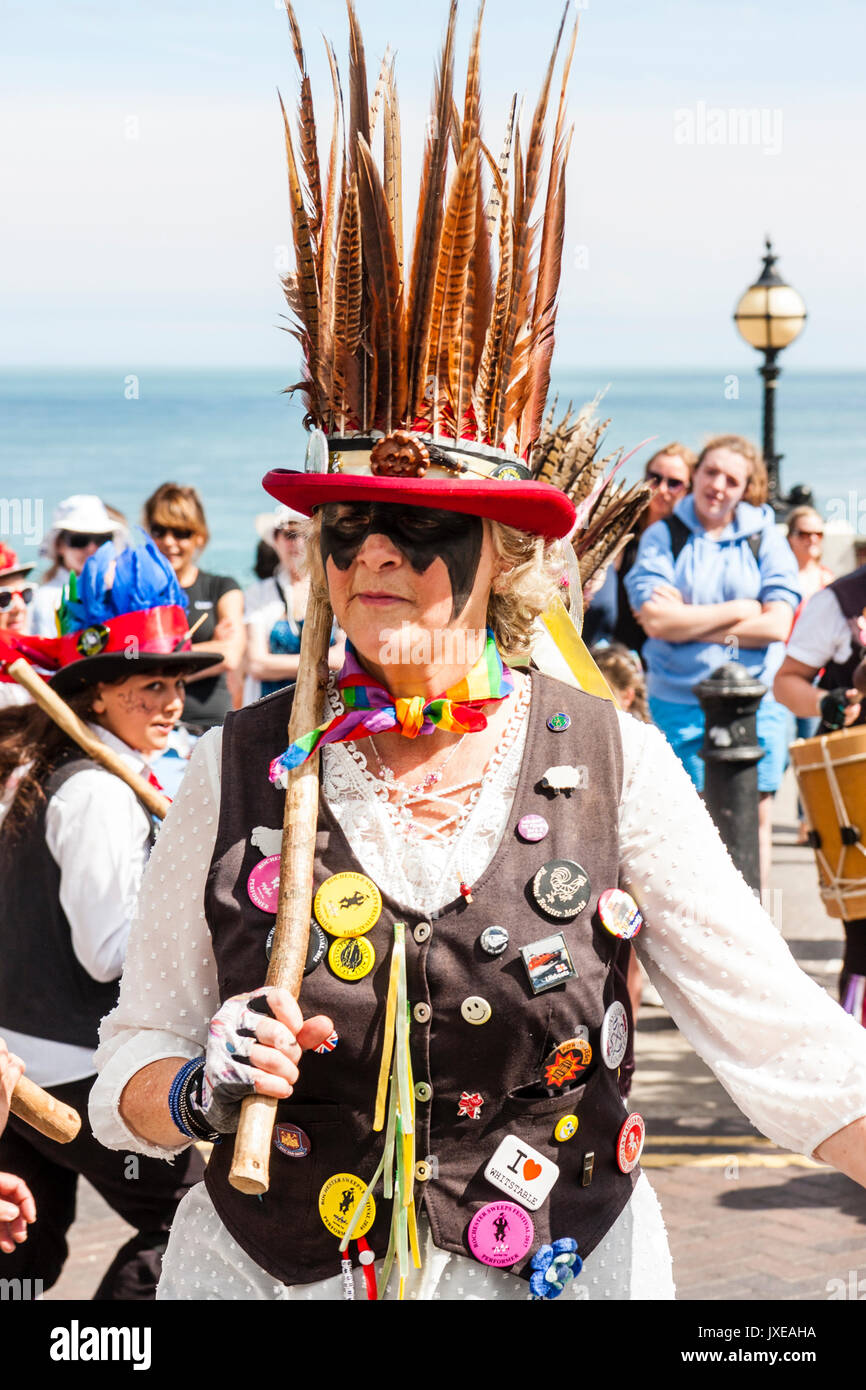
x,y
469,972
714,582
806,539
174,517
16,597
79,526
670,472
274,609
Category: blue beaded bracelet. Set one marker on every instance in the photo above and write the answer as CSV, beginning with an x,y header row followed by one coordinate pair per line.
x,y
178,1103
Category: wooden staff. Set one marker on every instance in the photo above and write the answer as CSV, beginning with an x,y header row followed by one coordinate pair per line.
x,y
44,1112
68,721
249,1171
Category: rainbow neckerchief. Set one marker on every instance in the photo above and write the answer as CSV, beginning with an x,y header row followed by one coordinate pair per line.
x,y
371,709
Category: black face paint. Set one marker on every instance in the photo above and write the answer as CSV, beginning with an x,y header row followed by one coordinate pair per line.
x,y
421,534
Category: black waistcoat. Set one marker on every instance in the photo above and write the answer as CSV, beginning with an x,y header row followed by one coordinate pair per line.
x,y
501,1059
850,594
44,989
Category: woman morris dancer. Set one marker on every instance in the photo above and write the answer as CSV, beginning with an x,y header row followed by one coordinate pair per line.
x,y
447,1081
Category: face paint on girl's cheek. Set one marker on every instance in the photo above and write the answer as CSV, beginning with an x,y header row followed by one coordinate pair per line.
x,y
421,535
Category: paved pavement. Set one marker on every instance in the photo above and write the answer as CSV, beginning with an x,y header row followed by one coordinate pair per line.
x,y
746,1221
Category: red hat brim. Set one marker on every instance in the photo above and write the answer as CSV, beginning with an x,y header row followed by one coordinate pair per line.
x,y
538,508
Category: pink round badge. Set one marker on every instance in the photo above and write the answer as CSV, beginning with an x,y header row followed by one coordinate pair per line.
x,y
500,1234
263,884
532,828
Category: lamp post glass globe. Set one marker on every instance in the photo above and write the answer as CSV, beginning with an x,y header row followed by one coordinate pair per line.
x,y
769,316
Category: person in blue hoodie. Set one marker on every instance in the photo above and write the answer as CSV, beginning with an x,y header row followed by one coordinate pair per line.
x,y
714,582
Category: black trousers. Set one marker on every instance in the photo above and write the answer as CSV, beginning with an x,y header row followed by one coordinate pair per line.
x,y
144,1191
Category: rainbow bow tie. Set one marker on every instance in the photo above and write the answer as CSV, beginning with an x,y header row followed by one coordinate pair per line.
x,y
371,709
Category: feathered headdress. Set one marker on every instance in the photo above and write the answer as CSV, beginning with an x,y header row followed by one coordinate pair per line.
x,y
426,374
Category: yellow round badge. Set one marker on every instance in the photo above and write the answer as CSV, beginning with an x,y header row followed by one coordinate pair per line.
x,y
351,957
348,904
338,1201
565,1129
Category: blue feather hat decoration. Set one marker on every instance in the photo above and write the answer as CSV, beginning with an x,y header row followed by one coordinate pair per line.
x,y
124,615
118,580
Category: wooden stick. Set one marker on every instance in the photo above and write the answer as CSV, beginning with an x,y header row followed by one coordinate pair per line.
x,y
45,1113
68,721
249,1171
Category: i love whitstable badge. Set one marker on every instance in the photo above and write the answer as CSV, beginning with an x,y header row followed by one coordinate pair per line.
x,y
522,1172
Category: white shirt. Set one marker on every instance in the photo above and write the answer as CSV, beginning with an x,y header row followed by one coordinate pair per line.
x,y
821,634
97,832
11,693
788,1055
46,601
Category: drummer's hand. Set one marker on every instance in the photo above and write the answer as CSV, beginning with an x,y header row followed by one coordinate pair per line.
x,y
250,1050
11,1068
839,708
852,713
17,1210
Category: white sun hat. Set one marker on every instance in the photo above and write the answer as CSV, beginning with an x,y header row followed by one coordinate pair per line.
x,y
268,522
81,513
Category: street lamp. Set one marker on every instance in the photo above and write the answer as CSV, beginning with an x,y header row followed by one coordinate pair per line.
x,y
769,316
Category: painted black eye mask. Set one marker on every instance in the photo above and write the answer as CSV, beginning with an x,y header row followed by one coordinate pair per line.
x,y
421,534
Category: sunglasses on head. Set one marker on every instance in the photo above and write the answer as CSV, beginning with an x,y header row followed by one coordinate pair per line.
x,y
672,484
7,595
180,533
80,540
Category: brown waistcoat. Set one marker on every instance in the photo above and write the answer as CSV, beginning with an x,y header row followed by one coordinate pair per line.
x,y
501,1059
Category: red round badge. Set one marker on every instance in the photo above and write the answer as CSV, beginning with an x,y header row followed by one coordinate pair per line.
x,y
263,884
629,1145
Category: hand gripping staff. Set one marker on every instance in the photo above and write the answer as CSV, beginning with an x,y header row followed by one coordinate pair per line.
x,y
249,1171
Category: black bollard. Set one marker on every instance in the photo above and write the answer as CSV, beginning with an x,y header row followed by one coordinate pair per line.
x,y
731,753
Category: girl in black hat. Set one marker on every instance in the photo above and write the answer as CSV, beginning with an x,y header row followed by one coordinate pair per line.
x,y
73,844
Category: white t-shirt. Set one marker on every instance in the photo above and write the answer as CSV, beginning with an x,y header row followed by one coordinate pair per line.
x,y
821,634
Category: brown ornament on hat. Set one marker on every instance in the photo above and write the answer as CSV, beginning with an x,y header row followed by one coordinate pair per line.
x,y
399,455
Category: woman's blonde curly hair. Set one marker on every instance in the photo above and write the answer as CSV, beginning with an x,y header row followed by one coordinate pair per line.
x,y
534,572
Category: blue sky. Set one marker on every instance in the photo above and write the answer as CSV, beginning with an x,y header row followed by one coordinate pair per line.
x,y
146,200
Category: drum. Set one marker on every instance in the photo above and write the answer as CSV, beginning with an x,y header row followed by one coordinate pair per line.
x,y
831,775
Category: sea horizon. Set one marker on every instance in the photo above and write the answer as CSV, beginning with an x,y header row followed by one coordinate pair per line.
x,y
120,433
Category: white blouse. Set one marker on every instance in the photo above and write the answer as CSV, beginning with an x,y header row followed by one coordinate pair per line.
x,y
792,1060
